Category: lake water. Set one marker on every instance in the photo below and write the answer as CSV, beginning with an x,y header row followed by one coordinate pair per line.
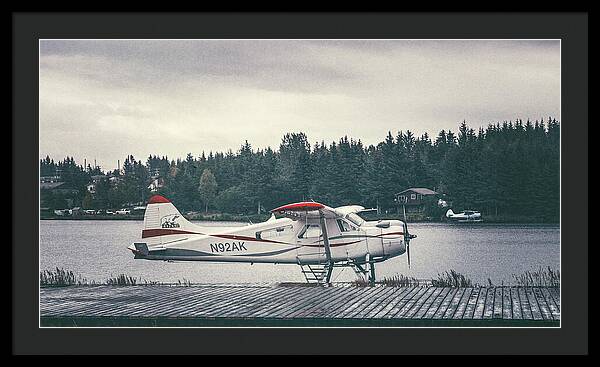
x,y
97,250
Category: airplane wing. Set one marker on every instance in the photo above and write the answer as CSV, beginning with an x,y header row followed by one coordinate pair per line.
x,y
305,209
311,209
345,210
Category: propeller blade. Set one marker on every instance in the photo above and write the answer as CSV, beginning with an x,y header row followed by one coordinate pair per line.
x,y
407,236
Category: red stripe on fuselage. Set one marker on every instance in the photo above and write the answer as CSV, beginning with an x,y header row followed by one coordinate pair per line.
x,y
164,232
244,238
146,233
334,244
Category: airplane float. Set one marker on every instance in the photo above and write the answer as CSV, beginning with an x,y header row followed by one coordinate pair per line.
x,y
312,235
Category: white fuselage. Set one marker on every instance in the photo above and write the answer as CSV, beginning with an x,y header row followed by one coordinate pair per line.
x,y
281,240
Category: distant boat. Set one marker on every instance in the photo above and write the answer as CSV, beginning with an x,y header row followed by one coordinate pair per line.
x,y
466,216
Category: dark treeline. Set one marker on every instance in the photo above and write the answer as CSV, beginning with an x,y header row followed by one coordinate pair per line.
x,y
511,168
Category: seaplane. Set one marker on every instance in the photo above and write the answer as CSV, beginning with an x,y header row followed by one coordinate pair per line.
x,y
466,216
312,235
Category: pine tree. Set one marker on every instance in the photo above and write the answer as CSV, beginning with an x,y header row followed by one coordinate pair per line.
x,y
207,188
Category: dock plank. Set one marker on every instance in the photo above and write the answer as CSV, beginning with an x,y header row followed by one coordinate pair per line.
x,y
194,301
516,304
299,307
472,303
488,312
555,293
541,300
221,302
433,306
202,298
427,303
507,304
525,307
401,302
406,294
422,300
462,305
292,306
454,304
398,293
376,301
356,302
410,303
439,314
551,304
255,305
535,309
339,296
293,299
259,306
365,306
340,303
498,300
480,306
277,302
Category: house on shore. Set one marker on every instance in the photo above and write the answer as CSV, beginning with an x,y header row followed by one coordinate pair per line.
x,y
415,199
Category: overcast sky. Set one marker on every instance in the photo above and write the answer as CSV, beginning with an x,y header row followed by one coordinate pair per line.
x,y
105,99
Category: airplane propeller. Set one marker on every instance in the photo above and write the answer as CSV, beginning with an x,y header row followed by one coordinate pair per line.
x,y
407,236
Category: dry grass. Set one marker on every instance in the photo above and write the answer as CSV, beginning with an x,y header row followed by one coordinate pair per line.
x,y
452,279
60,278
121,279
399,280
538,278
543,277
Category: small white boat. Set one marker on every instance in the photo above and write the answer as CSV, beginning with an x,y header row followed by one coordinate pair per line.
x,y
466,216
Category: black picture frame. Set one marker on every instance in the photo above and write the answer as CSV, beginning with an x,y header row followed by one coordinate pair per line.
x,y
571,338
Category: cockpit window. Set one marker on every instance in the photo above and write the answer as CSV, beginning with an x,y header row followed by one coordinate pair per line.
x,y
344,226
273,232
354,218
310,231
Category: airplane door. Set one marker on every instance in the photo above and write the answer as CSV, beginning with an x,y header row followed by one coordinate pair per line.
x,y
312,249
356,239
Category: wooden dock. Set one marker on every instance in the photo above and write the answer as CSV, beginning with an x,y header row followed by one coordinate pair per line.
x,y
298,305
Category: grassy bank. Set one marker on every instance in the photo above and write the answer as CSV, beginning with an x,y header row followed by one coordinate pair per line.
x,y
542,277
59,277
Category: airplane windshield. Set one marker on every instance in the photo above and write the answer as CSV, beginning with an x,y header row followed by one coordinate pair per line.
x,y
354,218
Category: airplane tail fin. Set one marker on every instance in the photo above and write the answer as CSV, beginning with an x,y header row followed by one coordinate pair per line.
x,y
449,213
164,223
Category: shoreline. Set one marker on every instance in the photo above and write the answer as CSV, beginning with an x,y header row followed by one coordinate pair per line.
x,y
256,219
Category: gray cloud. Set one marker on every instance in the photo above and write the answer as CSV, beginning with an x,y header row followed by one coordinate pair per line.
x,y
106,98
